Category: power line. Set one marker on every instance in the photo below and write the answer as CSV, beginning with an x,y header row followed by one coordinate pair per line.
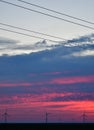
x,y
56,12
24,29
82,25
27,34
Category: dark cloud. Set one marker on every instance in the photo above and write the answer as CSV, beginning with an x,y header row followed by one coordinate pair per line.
x,y
55,60
38,46
40,68
75,97
64,48
82,39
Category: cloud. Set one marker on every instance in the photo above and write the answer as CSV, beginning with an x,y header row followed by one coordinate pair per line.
x,y
38,46
84,40
83,53
12,47
59,81
6,45
75,97
46,63
44,98
61,76
73,80
7,41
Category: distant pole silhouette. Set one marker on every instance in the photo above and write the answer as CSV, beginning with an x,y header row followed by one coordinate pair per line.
x,y
84,117
5,116
47,117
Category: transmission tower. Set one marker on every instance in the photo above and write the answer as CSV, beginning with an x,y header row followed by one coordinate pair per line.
x,y
84,117
46,117
5,116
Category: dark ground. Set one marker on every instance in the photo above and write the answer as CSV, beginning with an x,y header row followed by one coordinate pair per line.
x,y
46,126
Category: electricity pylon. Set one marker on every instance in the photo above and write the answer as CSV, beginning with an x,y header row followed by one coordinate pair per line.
x,y
47,117
84,117
5,116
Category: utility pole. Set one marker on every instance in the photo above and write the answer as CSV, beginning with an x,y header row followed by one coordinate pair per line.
x,y
47,117
5,116
84,117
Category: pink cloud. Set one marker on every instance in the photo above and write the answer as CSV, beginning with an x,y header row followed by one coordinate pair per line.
x,y
33,111
73,80
15,84
63,80
52,73
46,73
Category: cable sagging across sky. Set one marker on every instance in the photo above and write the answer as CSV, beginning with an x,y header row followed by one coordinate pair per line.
x,y
59,18
24,29
54,11
8,30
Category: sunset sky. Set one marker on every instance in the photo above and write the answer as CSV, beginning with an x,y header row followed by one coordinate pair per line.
x,y
39,76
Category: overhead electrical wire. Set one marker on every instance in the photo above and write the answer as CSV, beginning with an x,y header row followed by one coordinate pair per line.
x,y
54,11
82,25
24,29
8,30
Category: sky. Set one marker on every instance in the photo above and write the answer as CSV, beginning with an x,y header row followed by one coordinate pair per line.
x,y
30,20
39,76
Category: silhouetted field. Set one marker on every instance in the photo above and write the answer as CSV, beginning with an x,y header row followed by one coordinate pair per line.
x,y
44,126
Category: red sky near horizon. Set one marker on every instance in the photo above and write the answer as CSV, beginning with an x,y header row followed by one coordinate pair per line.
x,y
61,106
47,73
